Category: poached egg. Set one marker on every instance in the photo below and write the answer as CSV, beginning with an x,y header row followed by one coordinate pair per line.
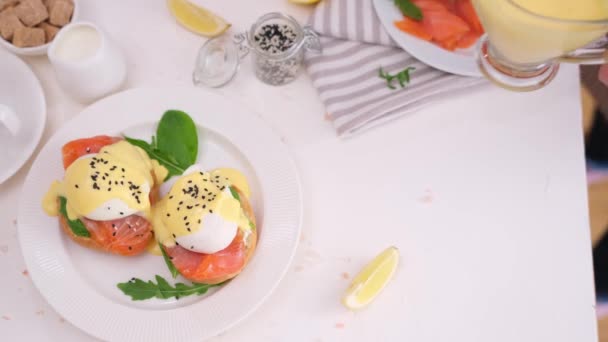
x,y
201,211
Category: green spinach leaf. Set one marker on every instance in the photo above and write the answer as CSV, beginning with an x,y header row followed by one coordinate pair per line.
x,y
177,136
77,227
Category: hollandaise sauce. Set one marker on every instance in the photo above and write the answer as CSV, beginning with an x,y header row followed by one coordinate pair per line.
x,y
109,185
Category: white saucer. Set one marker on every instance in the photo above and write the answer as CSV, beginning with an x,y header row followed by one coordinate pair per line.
x,y
20,90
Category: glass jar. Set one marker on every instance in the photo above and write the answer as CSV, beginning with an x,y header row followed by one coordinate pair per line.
x,y
276,42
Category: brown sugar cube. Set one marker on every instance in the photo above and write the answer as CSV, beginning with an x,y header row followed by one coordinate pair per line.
x,y
61,12
4,4
50,31
28,37
31,12
50,3
8,23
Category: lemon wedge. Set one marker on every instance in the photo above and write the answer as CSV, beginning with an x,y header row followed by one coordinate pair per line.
x,y
197,19
372,279
304,2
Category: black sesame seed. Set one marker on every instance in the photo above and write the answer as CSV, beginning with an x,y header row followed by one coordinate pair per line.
x,y
185,218
123,169
189,229
114,234
191,247
170,197
174,236
190,181
76,186
168,214
130,248
113,225
121,213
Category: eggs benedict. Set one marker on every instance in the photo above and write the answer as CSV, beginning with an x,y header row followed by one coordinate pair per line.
x,y
205,224
104,199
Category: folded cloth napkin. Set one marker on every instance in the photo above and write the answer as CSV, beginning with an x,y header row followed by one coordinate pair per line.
x,y
355,46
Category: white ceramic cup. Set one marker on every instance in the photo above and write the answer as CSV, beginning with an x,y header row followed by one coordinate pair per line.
x,y
9,119
91,75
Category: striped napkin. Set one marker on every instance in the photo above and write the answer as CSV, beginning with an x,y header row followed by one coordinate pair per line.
x,y
355,46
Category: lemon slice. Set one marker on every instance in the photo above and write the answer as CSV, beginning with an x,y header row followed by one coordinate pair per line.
x,y
304,2
197,19
372,279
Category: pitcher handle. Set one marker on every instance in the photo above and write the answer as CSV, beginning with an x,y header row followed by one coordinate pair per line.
x,y
594,53
240,40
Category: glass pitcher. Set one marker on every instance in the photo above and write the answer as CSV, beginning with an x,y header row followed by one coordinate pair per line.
x,y
527,39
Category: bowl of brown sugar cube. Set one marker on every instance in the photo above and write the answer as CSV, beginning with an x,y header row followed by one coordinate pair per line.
x,y
28,26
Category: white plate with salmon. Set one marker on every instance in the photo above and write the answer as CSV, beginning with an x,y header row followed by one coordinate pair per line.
x,y
160,214
440,33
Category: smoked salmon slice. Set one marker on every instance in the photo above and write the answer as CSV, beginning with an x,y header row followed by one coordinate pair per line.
x,y
444,26
450,24
414,28
206,268
468,40
80,147
126,236
465,10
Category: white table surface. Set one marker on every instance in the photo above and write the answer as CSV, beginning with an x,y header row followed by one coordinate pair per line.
x,y
484,195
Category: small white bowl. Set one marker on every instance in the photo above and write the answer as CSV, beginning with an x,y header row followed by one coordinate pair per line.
x,y
37,50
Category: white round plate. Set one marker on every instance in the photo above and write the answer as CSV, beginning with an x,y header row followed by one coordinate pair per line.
x,y
20,90
459,62
81,283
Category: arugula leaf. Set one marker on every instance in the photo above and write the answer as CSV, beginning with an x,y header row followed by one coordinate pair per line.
x,y
166,161
403,77
177,136
77,227
170,265
235,194
138,289
409,9
251,225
